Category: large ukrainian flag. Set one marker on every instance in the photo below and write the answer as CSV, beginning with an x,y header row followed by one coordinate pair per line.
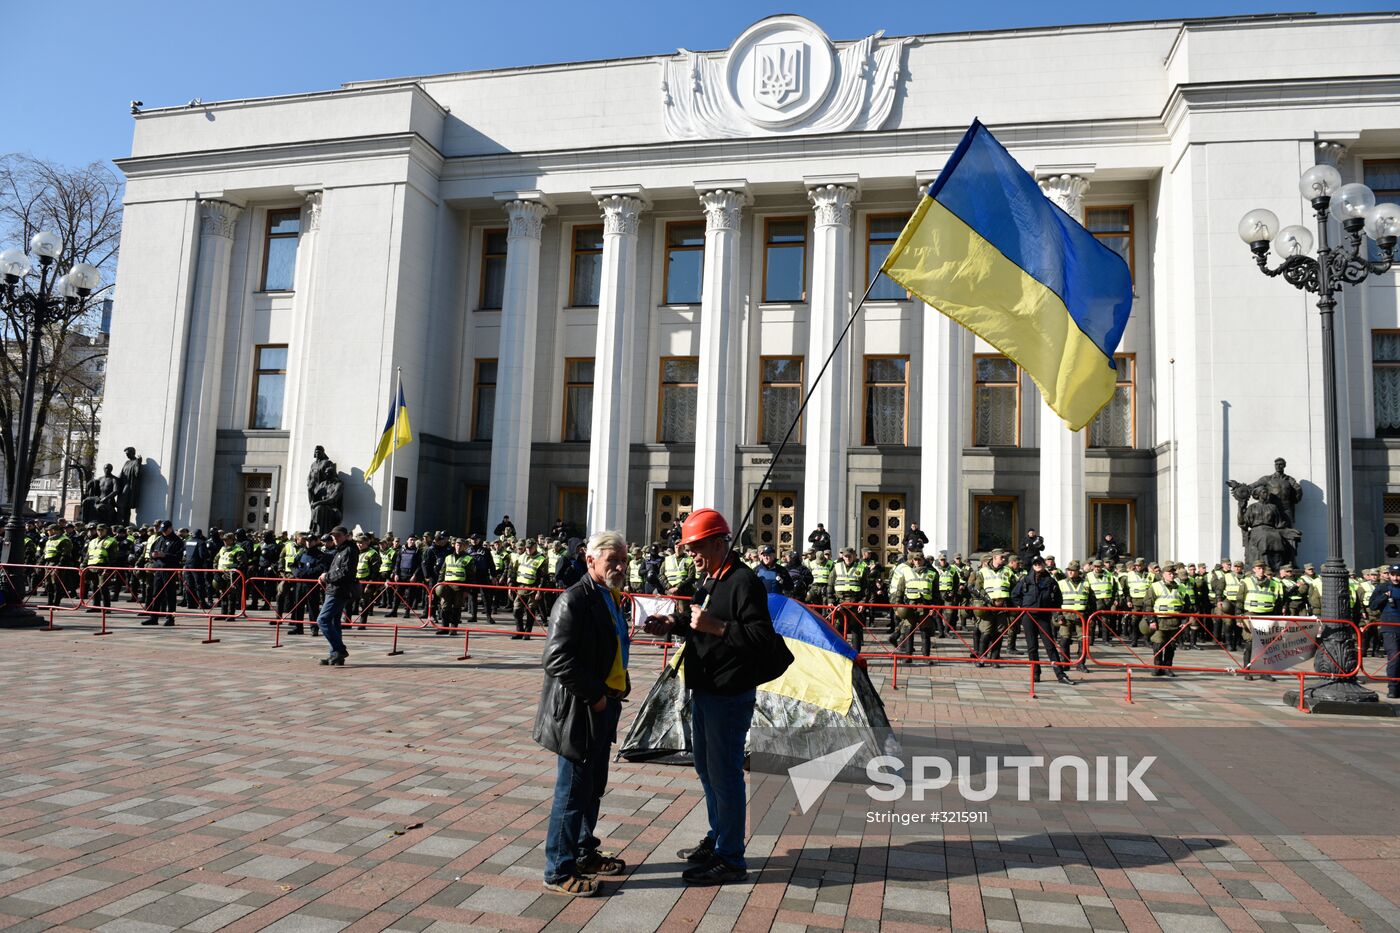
x,y
396,434
989,250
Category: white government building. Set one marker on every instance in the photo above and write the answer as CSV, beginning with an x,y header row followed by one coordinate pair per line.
x,y
607,284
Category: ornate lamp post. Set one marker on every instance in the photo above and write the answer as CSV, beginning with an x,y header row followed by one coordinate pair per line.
x,y
31,304
1355,208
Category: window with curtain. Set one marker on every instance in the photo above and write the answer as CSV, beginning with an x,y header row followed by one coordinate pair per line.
x,y
685,262
1385,381
1113,227
1114,426
484,400
493,270
1113,516
269,386
780,395
586,276
996,402
578,399
996,522
680,377
881,230
280,250
785,259
886,400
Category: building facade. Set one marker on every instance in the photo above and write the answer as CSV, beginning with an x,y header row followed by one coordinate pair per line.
x,y
608,284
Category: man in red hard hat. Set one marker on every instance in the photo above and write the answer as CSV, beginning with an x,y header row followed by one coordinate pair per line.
x,y
730,648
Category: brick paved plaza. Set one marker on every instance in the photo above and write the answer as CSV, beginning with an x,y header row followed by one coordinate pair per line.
x,y
155,783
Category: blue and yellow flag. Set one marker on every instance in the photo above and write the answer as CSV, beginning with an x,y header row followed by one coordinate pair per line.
x,y
989,250
396,434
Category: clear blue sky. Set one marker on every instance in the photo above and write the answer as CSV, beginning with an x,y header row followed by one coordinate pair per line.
x,y
98,54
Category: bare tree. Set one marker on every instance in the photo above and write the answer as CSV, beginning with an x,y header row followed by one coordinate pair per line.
x,y
82,206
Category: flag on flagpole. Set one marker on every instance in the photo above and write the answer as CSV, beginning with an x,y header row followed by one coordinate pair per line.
x,y
988,249
396,434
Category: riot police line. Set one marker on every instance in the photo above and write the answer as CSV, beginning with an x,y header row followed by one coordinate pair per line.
x,y
1060,638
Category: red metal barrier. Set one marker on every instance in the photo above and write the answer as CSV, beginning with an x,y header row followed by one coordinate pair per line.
x,y
226,588
62,580
1114,622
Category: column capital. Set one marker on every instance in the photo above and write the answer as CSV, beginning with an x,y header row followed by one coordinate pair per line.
x,y
1066,185
925,179
723,207
622,213
218,218
526,218
831,199
313,211
1331,152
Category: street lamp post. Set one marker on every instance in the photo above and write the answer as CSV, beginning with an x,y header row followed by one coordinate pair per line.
x,y
1348,263
32,306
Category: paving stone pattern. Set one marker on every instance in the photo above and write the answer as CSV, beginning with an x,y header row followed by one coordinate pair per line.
x,y
154,783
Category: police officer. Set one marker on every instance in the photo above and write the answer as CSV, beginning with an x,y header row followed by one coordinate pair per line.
x,y
231,561
1104,585
164,555
848,585
952,591
1138,583
912,585
1169,601
59,556
1039,590
367,576
821,567
771,574
994,583
1385,601
456,573
1079,601
1263,597
678,572
312,561
532,571
99,557
1371,638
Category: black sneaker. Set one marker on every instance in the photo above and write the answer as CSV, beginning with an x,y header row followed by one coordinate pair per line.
x,y
702,853
716,871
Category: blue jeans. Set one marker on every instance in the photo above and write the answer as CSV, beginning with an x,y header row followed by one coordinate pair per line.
x,y
332,611
578,790
719,728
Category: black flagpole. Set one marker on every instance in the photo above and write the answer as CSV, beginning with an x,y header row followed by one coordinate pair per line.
x,y
738,535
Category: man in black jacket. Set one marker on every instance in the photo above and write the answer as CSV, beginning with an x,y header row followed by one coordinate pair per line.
x,y
1031,547
165,556
1039,590
729,647
585,679
820,540
1109,550
339,582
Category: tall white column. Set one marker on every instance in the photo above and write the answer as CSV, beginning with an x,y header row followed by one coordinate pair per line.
x,y
610,436
716,415
1062,503
293,502
516,365
825,428
204,365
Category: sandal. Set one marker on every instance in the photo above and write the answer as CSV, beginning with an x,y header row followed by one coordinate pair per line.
x,y
601,863
573,886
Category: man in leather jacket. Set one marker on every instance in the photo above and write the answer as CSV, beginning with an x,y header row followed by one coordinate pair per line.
x,y
339,581
585,679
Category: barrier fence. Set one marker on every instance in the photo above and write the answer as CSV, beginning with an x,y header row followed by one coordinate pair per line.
x,y
1108,640
1390,652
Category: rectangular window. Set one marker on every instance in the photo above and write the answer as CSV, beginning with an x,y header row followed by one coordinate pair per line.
x,y
573,509
1115,426
780,395
1113,227
478,498
269,383
586,270
785,259
280,251
1385,381
996,401
685,262
1382,176
881,230
484,400
886,400
995,522
1113,516
680,377
493,270
578,398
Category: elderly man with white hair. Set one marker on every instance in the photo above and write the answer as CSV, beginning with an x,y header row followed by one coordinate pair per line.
x,y
585,679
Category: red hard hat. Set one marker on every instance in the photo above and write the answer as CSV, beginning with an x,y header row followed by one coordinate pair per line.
x,y
702,524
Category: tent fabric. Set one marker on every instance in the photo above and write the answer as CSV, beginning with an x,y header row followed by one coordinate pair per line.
x,y
824,698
